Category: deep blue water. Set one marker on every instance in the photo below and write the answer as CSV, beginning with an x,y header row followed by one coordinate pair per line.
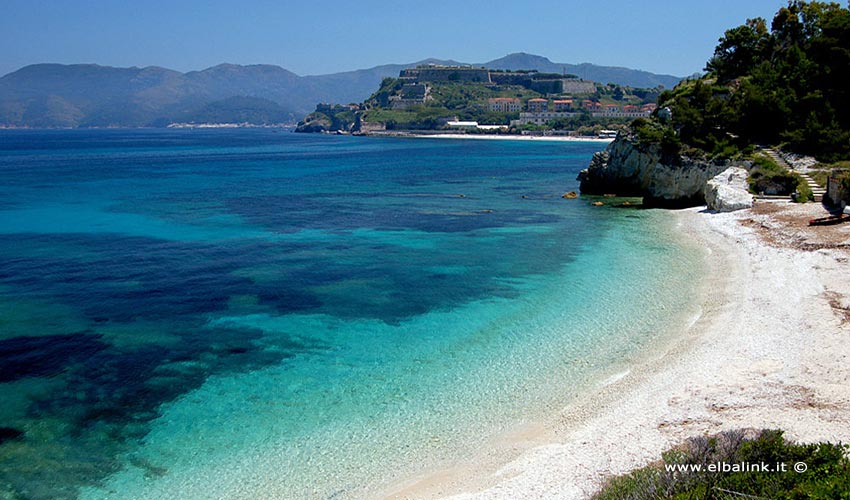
x,y
151,280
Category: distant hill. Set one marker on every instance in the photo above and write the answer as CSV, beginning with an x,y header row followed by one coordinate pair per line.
x,y
54,95
239,109
89,95
356,86
586,71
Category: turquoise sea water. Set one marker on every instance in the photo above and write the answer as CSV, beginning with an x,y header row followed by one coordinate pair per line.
x,y
259,314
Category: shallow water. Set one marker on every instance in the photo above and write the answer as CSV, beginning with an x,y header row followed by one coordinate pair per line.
x,y
210,314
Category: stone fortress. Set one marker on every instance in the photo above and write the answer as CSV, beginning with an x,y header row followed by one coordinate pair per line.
x,y
537,111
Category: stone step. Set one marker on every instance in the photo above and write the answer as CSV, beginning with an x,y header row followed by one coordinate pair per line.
x,y
817,191
814,186
776,157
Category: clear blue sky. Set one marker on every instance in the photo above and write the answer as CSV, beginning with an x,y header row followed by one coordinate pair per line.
x,y
326,36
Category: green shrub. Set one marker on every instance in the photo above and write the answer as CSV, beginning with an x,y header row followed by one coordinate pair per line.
x,y
805,191
651,131
724,150
827,474
768,177
766,164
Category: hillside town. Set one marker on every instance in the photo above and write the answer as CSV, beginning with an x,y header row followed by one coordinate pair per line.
x,y
438,97
540,111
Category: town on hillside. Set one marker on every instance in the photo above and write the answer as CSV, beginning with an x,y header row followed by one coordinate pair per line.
x,y
470,99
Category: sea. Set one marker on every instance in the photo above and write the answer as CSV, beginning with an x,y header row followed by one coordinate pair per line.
x,y
253,313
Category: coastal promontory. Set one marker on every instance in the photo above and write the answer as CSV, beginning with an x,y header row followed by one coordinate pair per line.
x,y
629,167
770,88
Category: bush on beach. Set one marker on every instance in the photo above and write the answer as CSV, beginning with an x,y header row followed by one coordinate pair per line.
x,y
826,475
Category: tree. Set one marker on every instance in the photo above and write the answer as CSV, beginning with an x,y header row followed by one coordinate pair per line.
x,y
787,84
739,49
618,93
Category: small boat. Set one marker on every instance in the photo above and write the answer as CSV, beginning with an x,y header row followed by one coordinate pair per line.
x,y
828,221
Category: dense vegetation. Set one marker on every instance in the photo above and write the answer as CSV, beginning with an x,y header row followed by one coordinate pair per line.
x,y
827,473
786,84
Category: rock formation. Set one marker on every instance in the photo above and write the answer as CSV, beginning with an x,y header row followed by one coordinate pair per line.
x,y
728,191
629,168
315,122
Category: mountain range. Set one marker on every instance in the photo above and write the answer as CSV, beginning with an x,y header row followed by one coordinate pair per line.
x,y
89,95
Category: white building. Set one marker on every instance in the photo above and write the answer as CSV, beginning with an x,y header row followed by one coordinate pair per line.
x,y
504,104
542,118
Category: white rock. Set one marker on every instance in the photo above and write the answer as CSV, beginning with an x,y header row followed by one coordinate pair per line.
x,y
629,169
728,191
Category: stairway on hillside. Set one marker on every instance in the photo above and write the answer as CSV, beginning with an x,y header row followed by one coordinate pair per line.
x,y
775,156
817,190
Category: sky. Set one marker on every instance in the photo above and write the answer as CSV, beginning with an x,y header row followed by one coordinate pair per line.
x,y
319,37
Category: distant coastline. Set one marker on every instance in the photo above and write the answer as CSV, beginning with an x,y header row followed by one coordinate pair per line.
x,y
449,134
505,137
229,125
72,95
289,127
171,126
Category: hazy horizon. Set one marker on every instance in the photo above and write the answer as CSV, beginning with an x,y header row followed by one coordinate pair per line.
x,y
664,37
345,70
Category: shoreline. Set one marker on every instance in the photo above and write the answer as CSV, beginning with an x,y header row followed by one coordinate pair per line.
x,y
783,365
497,137
290,128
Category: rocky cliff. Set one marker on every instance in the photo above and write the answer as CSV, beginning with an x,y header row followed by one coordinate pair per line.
x,y
630,168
